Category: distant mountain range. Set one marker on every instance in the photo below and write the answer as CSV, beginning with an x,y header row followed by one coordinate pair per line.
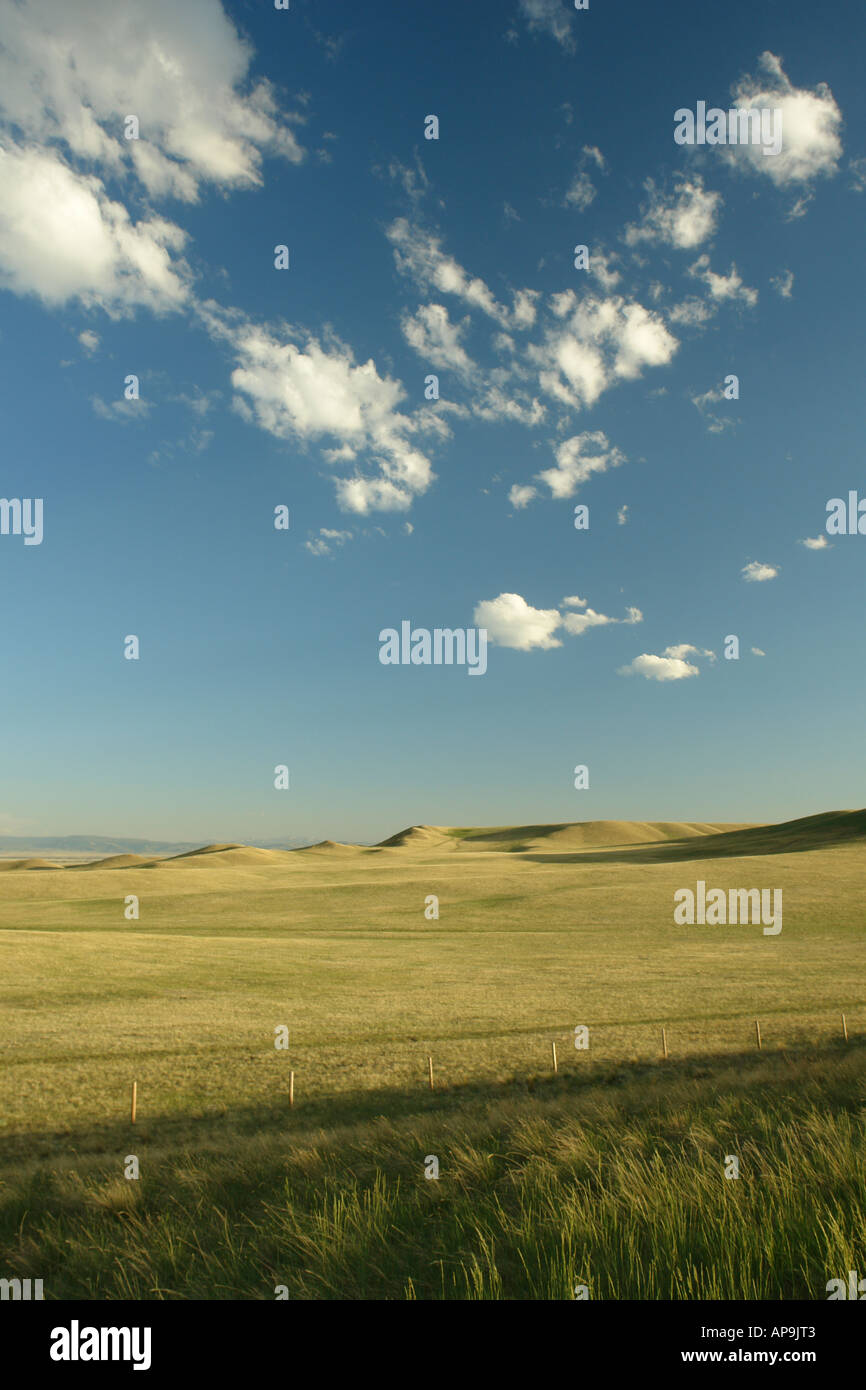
x,y
25,845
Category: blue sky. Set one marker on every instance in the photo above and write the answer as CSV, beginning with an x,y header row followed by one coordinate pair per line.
x,y
306,387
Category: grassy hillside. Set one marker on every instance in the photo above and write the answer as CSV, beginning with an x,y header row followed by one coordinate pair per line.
x,y
332,942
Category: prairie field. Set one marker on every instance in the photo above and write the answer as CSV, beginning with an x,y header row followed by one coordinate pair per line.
x,y
608,1174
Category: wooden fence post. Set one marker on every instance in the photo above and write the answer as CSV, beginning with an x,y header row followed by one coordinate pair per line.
x,y
664,1042
758,1034
134,1101
430,1071
553,1051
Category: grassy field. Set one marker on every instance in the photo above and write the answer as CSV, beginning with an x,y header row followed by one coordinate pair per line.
x,y
609,1174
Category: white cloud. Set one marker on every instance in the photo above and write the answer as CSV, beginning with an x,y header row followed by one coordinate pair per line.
x,y
520,496
601,270
123,412
511,622
622,515
755,572
783,284
316,392
816,543
577,459
578,623
857,171
70,75
598,342
691,312
430,332
683,218
715,423
728,286
756,651
549,17
524,312
492,404
670,666
418,254
88,340
326,540
811,122
581,191
62,238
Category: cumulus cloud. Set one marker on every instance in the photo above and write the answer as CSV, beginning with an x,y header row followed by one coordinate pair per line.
x,y
755,572
577,459
811,122
182,70
728,286
670,666
816,543
419,255
63,239
683,218
578,623
622,515
512,622
520,496
434,337
88,340
756,651
783,284
597,342
315,392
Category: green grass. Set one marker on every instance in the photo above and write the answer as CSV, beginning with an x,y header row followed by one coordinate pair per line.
x,y
613,1179
610,1174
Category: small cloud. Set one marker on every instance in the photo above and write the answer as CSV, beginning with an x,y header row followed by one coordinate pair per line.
x,y
577,623
520,496
857,170
622,515
326,540
783,284
723,287
512,622
756,651
123,412
88,340
756,573
683,218
549,17
816,543
670,666
581,191
408,527
715,423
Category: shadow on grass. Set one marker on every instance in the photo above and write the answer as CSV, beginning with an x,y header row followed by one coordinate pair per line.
x,y
774,1068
